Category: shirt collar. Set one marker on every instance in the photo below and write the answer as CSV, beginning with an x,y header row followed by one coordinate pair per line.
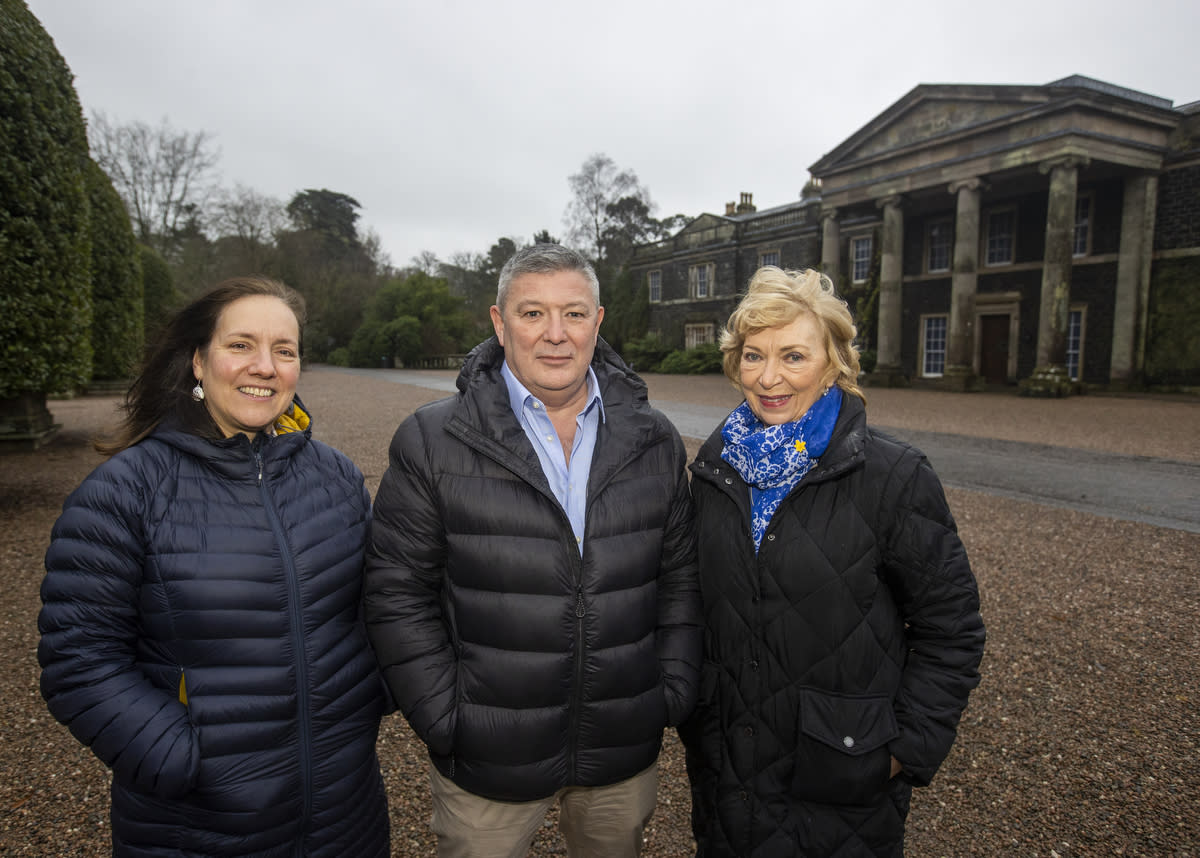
x,y
519,395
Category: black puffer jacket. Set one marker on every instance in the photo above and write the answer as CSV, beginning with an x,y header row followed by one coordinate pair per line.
x,y
201,632
523,666
853,635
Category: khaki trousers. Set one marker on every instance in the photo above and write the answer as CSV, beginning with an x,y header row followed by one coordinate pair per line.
x,y
596,822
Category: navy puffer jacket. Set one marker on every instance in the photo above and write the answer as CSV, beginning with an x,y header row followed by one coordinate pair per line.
x,y
201,633
852,636
524,666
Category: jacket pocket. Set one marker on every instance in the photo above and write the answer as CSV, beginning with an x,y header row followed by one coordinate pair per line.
x,y
841,753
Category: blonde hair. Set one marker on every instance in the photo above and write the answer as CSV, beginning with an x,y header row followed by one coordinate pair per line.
x,y
776,297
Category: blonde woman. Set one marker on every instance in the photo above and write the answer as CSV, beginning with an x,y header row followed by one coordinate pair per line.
x,y
842,626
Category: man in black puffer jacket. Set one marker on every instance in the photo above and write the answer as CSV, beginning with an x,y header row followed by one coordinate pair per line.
x,y
531,586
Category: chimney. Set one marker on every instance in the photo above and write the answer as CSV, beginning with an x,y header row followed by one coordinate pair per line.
x,y
729,209
746,206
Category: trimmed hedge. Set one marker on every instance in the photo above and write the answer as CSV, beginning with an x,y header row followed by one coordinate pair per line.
x,y
159,295
45,250
117,308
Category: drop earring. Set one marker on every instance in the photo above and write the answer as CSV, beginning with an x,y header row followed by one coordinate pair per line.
x,y
198,392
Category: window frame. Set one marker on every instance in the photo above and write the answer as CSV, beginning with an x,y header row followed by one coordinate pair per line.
x,y
926,352
1077,331
654,285
1084,199
696,334
932,225
762,258
709,269
855,242
989,239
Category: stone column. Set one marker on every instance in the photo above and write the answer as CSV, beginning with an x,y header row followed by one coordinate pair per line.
x,y
1133,279
964,280
891,259
1050,373
831,245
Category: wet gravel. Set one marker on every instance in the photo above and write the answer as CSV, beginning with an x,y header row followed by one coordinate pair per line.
x,y
1082,739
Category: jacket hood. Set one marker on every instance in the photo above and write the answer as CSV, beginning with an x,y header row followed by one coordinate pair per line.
x,y
230,455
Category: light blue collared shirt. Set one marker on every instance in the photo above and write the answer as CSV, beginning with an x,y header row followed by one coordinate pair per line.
x,y
568,481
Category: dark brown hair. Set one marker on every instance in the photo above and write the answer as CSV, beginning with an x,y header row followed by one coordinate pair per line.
x,y
163,387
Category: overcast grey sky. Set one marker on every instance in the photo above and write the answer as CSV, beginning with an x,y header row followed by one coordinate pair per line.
x,y
455,123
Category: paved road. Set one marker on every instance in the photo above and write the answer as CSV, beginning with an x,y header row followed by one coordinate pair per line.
x,y
1133,488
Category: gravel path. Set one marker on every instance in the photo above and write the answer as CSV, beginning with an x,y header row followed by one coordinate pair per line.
x,y
1082,739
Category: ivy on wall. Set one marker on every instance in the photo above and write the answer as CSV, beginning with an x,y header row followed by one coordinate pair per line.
x,y
1173,324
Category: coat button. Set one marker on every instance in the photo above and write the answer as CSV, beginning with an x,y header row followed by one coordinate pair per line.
x,y
728,481
754,665
749,731
770,537
848,741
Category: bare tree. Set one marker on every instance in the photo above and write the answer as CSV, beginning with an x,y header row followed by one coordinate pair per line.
x,y
253,219
372,245
597,185
427,262
164,175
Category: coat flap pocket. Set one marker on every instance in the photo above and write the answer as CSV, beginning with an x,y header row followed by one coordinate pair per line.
x,y
854,724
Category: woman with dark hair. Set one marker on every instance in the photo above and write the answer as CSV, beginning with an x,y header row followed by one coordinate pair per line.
x,y
842,632
201,629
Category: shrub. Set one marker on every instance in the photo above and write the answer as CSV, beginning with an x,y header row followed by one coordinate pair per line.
x,y
701,360
160,298
117,305
646,353
45,250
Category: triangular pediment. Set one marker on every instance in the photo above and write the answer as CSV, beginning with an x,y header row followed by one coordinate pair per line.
x,y
931,115
701,223
930,112
934,118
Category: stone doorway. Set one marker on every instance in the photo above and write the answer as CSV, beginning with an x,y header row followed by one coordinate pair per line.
x,y
993,348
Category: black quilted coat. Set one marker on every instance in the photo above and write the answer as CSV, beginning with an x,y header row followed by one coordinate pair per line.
x,y
201,632
853,635
523,666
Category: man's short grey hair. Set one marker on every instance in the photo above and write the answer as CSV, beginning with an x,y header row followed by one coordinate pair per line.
x,y
545,259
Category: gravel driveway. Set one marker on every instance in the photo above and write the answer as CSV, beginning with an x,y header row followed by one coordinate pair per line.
x,y
1082,739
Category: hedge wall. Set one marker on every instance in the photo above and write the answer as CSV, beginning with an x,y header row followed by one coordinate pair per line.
x,y
117,309
45,280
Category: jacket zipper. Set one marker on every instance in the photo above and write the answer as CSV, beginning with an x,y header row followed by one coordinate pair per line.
x,y
303,704
576,702
503,457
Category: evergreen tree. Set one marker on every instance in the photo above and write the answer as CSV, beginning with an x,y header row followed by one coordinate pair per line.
x,y
117,303
159,295
45,305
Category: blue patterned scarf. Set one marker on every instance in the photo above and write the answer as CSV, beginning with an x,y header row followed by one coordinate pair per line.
x,y
772,459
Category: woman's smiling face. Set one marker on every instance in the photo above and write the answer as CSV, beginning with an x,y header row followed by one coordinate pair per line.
x,y
251,365
783,369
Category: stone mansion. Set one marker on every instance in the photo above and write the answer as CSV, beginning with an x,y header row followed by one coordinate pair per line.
x,y
1046,236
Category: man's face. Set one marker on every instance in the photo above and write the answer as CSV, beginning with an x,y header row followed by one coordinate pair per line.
x,y
548,328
